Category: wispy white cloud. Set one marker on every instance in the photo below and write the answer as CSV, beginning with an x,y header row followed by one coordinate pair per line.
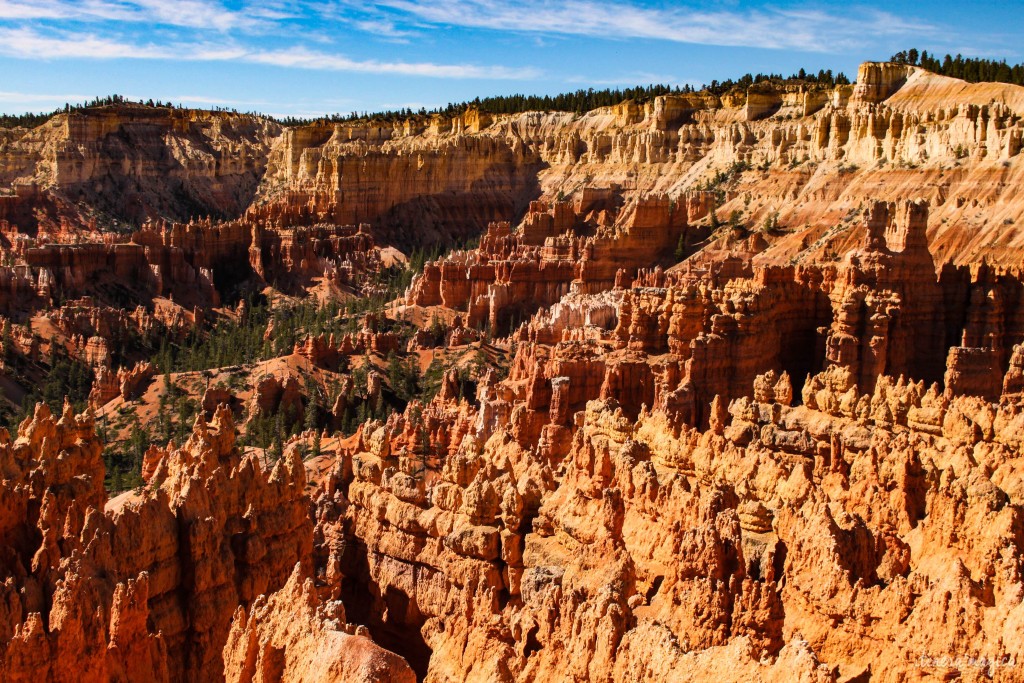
x,y
628,79
12,9
384,28
195,14
24,97
809,30
401,20
300,57
29,43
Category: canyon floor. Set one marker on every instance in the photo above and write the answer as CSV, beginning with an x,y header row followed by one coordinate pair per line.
x,y
705,387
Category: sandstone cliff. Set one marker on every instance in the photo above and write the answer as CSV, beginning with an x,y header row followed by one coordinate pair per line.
x,y
132,163
900,132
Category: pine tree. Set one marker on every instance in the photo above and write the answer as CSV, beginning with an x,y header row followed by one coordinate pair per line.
x,y
974,70
312,404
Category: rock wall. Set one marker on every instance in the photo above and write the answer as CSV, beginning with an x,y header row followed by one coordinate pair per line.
x,y
807,156
449,186
451,176
559,246
133,163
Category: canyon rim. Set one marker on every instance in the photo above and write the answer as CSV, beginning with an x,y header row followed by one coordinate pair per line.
x,y
667,384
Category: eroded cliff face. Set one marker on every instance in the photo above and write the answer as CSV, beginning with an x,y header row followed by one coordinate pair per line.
x,y
292,636
804,160
192,265
447,186
136,163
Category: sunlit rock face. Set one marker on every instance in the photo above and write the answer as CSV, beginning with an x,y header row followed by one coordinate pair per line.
x,y
143,586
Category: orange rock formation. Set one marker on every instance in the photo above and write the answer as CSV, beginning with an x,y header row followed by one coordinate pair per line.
x,y
763,417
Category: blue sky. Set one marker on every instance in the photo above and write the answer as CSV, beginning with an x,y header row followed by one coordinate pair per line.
x,y
309,57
